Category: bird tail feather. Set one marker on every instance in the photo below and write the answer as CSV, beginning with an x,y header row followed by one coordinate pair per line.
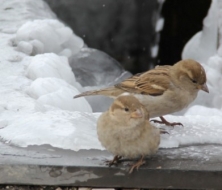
x,y
105,92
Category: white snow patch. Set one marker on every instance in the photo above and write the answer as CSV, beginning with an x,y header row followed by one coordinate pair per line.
x,y
36,93
42,86
62,129
205,47
204,44
57,92
159,24
154,51
63,98
77,130
50,65
198,129
53,34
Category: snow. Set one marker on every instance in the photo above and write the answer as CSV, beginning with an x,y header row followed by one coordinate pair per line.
x,y
25,47
15,13
63,99
204,43
203,111
58,128
159,25
42,86
205,47
57,92
154,51
198,129
50,65
43,64
47,31
64,130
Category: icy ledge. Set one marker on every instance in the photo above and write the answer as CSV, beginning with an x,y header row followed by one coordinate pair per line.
x,y
77,130
37,85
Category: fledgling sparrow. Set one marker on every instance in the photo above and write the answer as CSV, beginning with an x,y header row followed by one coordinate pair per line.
x,y
125,131
162,90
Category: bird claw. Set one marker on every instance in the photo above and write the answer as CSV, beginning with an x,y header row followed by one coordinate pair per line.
x,y
109,163
114,161
163,131
137,165
164,121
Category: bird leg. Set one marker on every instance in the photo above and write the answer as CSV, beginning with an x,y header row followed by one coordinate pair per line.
x,y
137,164
115,160
163,131
164,121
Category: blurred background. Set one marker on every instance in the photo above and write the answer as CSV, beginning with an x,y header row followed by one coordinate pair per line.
x,y
138,34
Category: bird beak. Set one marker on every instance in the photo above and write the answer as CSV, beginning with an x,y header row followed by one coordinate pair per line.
x,y
137,114
204,87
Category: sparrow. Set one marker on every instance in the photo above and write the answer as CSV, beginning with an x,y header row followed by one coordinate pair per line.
x,y
125,131
162,90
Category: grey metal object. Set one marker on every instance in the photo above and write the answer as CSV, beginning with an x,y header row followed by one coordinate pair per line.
x,y
95,68
195,167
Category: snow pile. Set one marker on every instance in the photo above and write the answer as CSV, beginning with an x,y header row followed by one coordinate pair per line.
x,y
48,35
206,47
204,44
57,92
37,84
16,13
54,83
40,36
198,129
77,130
50,65
62,129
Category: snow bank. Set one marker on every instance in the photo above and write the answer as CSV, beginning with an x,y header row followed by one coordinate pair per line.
x,y
77,130
48,35
206,47
62,129
50,65
37,84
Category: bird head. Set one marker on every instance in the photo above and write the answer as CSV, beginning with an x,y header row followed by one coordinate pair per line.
x,y
191,75
128,111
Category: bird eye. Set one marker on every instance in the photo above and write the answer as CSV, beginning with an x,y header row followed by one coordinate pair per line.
x,y
194,81
126,109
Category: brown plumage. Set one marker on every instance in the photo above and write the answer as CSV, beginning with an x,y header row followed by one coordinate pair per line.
x,y
162,90
125,130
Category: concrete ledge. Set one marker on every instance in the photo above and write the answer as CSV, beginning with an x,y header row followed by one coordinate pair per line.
x,y
192,167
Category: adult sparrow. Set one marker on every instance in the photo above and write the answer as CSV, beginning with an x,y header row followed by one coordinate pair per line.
x,y
125,131
162,90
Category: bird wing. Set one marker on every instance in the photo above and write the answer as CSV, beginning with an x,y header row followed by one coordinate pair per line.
x,y
153,82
